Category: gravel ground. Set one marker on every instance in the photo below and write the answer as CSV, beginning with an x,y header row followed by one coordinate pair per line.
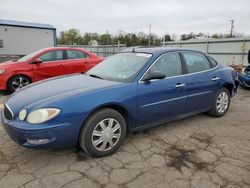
x,y
198,152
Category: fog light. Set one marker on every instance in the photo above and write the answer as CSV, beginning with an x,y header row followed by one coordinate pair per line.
x,y
39,141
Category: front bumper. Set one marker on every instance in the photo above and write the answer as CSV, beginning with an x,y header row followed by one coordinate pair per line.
x,y
59,136
2,83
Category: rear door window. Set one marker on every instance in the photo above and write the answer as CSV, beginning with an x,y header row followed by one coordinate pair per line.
x,y
196,62
74,54
213,62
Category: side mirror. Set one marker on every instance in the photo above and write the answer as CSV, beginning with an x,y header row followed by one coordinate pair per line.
x,y
154,75
37,61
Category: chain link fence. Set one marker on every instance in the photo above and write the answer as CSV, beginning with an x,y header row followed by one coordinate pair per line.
x,y
100,50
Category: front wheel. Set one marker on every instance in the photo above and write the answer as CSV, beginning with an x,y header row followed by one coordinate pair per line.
x,y
18,82
103,133
221,103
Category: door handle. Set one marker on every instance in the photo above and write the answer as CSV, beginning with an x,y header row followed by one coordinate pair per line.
x,y
180,85
215,78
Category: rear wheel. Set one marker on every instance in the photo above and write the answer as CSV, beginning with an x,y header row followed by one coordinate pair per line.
x,y
221,103
103,133
18,82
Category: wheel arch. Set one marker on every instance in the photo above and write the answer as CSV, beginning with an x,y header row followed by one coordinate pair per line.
x,y
230,87
7,83
117,107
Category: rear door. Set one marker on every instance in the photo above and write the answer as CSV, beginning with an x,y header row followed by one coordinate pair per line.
x,y
202,81
158,100
52,65
77,61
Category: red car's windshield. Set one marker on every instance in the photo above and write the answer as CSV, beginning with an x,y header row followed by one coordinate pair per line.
x,y
27,57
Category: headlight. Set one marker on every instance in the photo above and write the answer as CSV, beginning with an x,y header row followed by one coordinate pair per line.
x,y
2,71
22,114
42,115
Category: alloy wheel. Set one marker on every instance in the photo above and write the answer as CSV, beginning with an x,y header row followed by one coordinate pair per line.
x,y
20,82
222,102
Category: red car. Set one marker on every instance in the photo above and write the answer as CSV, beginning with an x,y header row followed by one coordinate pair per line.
x,y
45,63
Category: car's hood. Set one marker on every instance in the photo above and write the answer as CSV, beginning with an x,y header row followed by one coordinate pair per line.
x,y
8,64
56,88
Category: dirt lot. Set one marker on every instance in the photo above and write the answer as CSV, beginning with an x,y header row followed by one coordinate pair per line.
x,y
199,152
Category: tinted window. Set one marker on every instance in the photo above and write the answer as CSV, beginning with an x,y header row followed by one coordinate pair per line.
x,y
52,56
169,64
73,54
213,62
196,62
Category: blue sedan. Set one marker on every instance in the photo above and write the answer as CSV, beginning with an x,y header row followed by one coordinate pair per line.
x,y
129,91
244,76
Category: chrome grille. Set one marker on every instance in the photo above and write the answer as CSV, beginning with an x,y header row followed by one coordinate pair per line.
x,y
7,112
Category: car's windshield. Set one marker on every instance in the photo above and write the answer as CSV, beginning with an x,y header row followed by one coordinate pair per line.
x,y
121,67
27,57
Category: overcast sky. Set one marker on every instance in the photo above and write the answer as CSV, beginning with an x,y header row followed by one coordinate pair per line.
x,y
165,16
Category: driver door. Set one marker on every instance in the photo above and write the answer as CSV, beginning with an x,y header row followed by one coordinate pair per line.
x,y
52,65
159,100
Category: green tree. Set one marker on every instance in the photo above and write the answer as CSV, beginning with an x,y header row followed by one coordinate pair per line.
x,y
73,36
187,36
105,39
167,38
61,38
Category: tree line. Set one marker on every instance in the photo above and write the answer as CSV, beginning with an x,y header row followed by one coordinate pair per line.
x,y
74,37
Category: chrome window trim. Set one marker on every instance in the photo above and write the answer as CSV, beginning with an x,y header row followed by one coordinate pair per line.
x,y
140,80
12,114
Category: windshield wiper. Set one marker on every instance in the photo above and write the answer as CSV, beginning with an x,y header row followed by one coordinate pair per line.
x,y
94,76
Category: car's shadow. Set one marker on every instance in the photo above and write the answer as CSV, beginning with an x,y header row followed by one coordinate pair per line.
x,y
4,93
3,96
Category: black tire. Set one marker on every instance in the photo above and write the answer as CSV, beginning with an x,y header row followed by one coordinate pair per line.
x,y
214,110
86,139
19,79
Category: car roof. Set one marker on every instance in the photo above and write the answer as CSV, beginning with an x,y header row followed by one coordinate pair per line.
x,y
63,48
154,50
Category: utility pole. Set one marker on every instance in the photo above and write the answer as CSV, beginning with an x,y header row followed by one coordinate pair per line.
x,y
149,36
232,27
164,40
107,33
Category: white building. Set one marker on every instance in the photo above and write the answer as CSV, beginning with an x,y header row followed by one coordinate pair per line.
x,y
228,51
93,43
21,38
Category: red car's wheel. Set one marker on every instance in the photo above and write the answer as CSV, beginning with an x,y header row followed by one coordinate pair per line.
x,y
18,82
